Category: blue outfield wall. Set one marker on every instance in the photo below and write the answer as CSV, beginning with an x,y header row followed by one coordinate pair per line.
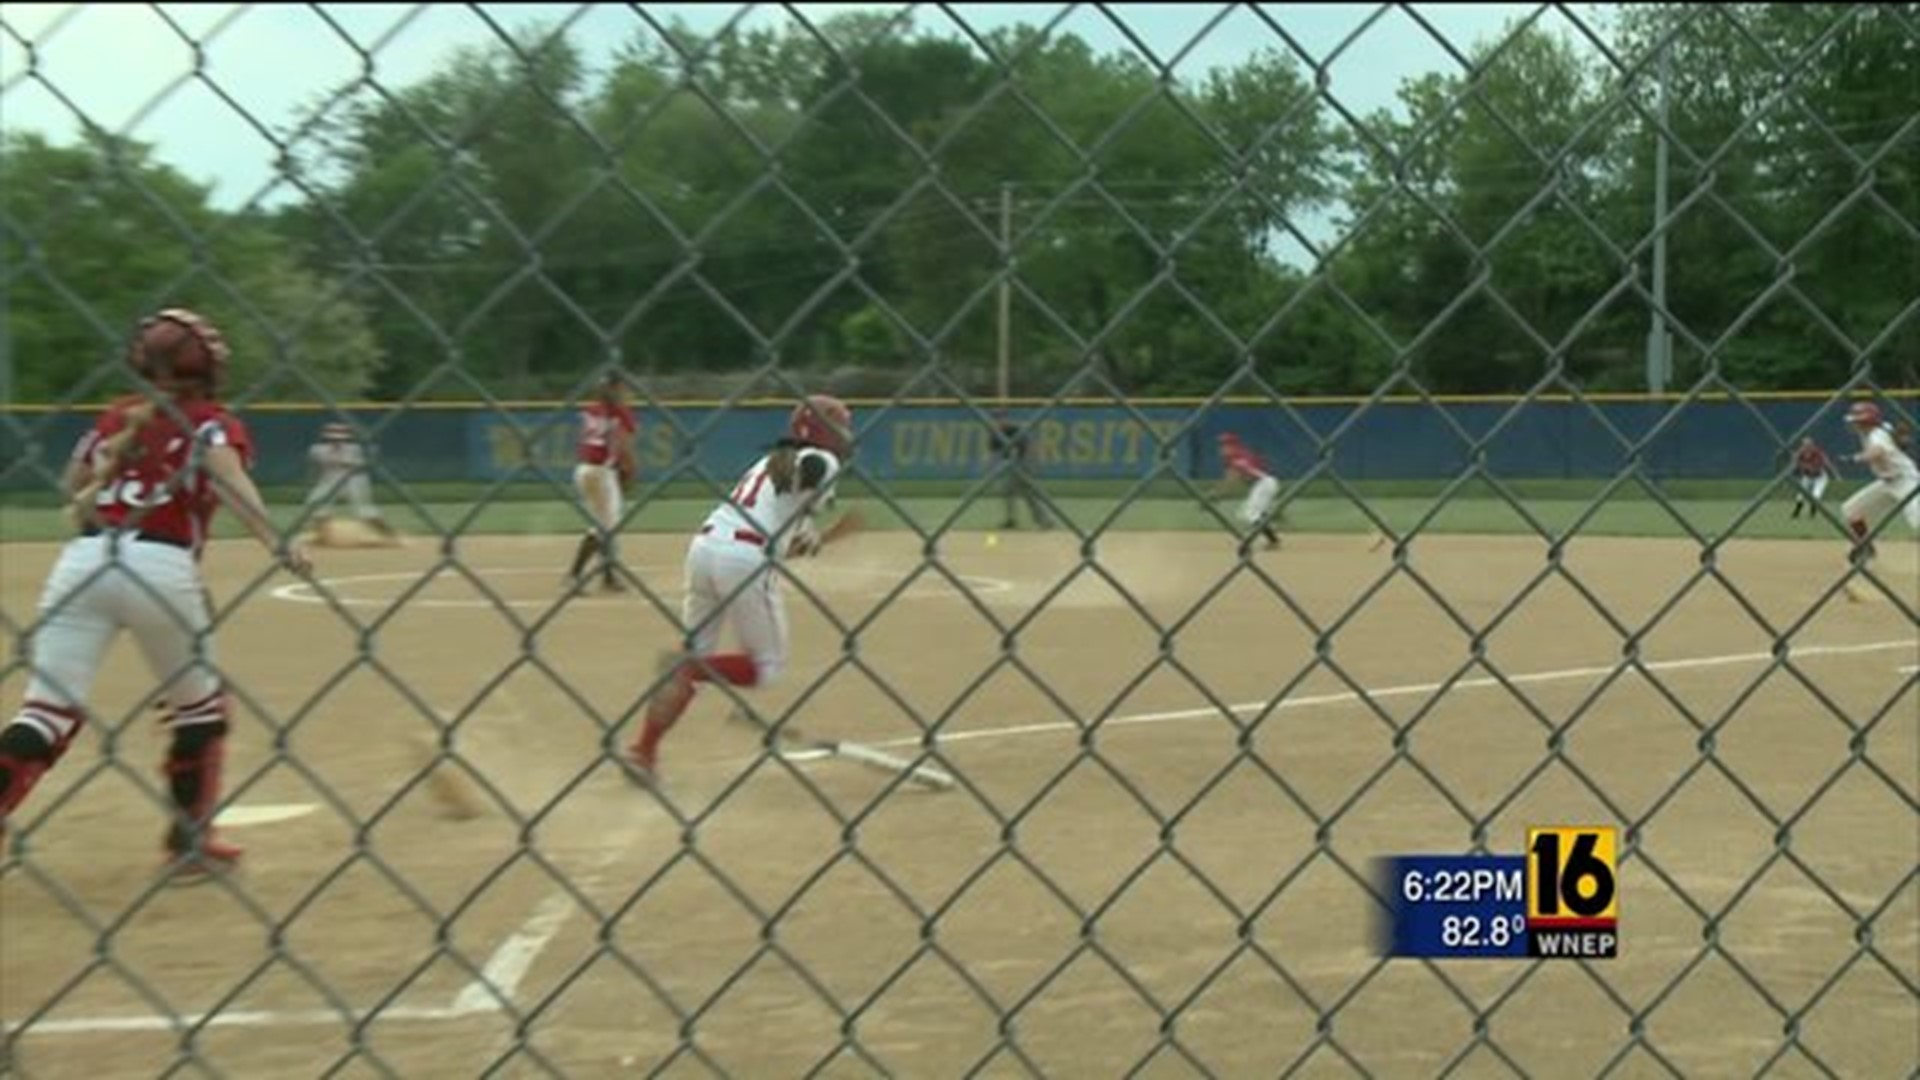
x,y
1393,440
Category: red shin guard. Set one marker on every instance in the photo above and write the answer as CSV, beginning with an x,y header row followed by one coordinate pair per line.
x,y
735,669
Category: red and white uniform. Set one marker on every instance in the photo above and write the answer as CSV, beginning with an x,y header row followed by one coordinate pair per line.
x,y
1896,481
728,579
603,427
1812,471
139,571
1242,462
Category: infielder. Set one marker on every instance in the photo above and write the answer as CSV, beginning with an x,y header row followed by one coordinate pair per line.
x,y
729,575
1242,464
144,487
606,465
1896,482
338,464
1812,470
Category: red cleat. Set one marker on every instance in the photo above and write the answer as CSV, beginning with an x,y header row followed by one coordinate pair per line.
x,y
188,857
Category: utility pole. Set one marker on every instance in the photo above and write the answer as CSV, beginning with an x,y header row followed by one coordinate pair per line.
x,y
1659,340
1006,289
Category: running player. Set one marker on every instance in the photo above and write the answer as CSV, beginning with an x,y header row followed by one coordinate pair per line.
x,y
145,485
1896,482
338,464
1243,465
606,466
1812,470
729,569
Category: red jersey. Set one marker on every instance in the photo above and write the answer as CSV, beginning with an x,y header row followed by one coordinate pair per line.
x,y
1811,461
161,488
1240,461
599,422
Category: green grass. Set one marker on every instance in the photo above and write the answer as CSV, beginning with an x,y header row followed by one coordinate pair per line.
x,y
1627,514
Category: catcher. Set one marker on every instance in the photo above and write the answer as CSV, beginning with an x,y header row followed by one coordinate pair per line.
x,y
729,575
145,484
607,466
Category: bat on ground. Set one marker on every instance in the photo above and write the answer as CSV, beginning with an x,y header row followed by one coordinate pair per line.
x,y
806,747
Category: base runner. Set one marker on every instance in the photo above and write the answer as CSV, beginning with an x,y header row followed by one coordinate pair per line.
x,y
730,579
1896,479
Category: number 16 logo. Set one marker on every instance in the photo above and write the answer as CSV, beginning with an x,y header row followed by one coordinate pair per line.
x,y
1571,877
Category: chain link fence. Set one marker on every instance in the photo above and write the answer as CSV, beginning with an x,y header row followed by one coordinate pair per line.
x,y
1168,755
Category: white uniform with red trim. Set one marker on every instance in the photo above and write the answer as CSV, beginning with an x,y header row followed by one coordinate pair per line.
x,y
1896,479
340,464
1265,489
728,575
139,572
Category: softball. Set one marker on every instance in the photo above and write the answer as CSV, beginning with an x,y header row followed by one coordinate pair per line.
x,y
993,539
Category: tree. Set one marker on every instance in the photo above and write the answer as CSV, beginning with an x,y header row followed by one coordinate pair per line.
x,y
100,235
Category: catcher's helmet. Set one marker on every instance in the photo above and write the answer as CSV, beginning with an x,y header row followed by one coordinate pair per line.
x,y
1864,414
178,345
823,421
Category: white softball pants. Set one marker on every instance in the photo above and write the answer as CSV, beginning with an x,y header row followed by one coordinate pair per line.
x,y
354,487
1880,497
99,586
730,582
1260,500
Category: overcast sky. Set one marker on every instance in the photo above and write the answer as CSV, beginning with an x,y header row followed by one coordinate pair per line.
x,y
130,68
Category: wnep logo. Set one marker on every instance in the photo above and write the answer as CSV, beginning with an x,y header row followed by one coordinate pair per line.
x,y
1573,895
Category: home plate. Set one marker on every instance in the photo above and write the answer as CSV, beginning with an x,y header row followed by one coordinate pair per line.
x,y
237,816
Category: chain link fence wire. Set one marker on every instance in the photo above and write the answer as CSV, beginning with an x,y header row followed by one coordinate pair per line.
x,y
1174,754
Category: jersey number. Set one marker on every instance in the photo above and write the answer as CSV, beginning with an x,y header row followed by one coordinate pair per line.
x,y
748,491
133,492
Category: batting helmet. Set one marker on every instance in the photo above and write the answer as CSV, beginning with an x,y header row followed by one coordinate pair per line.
x,y
1864,414
178,345
823,421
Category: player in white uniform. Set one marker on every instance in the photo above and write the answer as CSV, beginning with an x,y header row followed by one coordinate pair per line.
x,y
1896,480
729,569
339,466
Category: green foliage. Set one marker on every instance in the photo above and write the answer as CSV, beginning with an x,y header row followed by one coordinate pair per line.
x,y
828,201
100,235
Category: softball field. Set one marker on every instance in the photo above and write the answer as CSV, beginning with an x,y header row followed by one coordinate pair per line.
x,y
1171,790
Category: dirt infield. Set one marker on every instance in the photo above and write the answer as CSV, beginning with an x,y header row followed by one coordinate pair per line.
x,y
1118,851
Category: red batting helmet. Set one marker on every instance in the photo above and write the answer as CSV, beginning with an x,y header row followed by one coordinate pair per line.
x,y
178,345
823,421
1864,414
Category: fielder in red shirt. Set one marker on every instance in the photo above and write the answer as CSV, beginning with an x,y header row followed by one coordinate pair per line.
x,y
144,486
1242,465
1812,471
606,467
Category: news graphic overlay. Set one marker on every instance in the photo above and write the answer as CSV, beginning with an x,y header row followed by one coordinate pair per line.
x,y
1573,895
1457,906
1559,899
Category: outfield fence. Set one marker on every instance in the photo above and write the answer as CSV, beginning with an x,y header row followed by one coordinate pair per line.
x,y
1086,429
1510,438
